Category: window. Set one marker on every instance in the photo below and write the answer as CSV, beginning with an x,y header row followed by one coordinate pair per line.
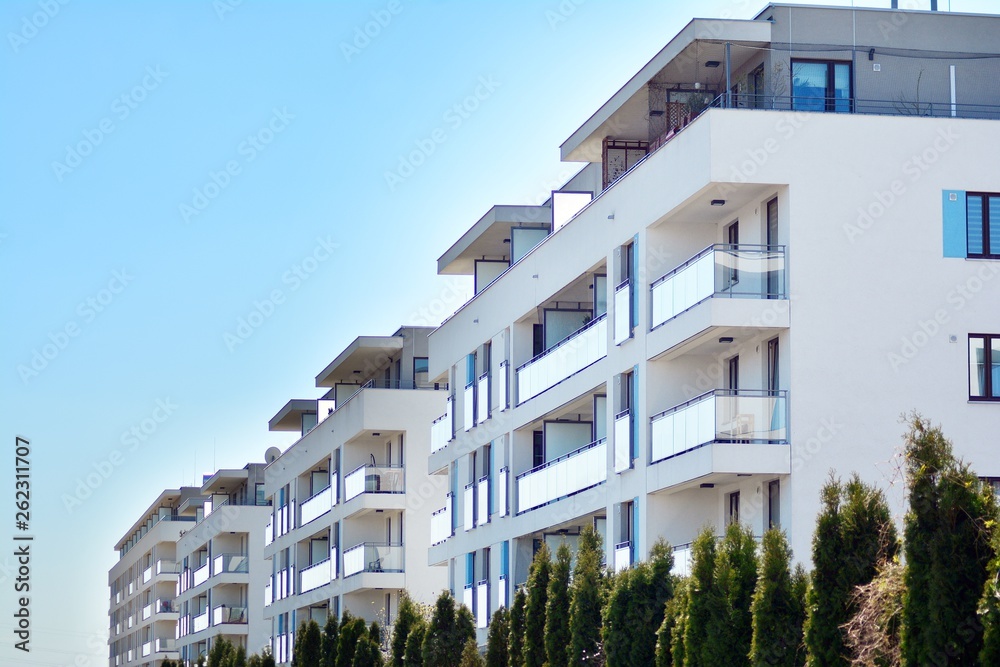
x,y
774,504
419,371
984,367
820,85
734,508
982,221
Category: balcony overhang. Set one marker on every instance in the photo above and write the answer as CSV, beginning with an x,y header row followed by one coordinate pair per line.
x,y
289,417
681,62
717,463
224,481
486,237
362,359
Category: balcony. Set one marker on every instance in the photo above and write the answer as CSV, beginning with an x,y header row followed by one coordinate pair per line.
x,y
483,501
483,398
318,574
567,357
269,531
623,556
469,596
318,504
147,574
147,648
623,441
469,505
569,474
482,604
469,406
373,479
442,430
147,611
167,567
269,591
623,312
502,478
720,271
741,416
223,615
230,563
502,385
373,557
502,591
165,645
164,606
441,522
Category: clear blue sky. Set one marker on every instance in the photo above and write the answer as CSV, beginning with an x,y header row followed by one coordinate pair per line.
x,y
169,167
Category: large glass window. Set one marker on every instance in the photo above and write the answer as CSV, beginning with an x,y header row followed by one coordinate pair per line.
x,y
984,367
982,216
820,85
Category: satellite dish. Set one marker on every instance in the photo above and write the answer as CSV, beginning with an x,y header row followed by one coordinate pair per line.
x,y
271,454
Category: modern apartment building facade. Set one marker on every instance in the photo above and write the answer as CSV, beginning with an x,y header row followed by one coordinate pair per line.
x,y
786,234
222,568
351,499
143,583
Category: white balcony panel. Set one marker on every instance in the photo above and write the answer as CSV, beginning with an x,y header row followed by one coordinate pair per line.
x,y
450,413
502,491
623,556
502,399
269,591
200,575
317,506
354,560
469,506
440,432
482,604
576,471
483,501
269,531
502,592
483,398
316,575
468,596
623,441
567,357
469,406
200,622
441,523
623,313
147,648
682,561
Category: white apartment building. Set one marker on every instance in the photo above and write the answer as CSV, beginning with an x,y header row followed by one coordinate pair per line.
x,y
222,568
785,235
352,499
143,583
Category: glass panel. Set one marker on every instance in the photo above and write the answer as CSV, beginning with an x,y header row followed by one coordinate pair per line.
x,y
995,367
994,231
809,86
559,324
974,218
842,87
601,293
523,239
977,367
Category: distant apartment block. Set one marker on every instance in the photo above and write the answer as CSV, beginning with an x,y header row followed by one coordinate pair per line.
x,y
351,499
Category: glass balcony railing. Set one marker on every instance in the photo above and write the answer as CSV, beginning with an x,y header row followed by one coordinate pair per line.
x,y
623,441
482,604
373,479
469,596
578,470
483,398
469,505
200,622
502,478
165,644
502,385
623,312
373,557
441,430
200,576
571,355
318,574
742,416
226,563
483,501
469,406
623,556
269,531
167,567
719,271
441,522
223,615
317,505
